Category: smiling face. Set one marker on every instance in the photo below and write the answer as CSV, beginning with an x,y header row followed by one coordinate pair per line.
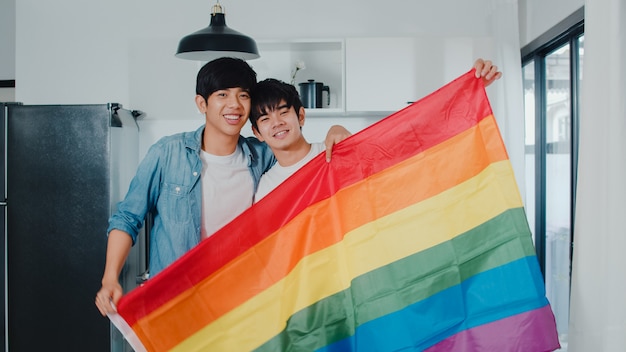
x,y
226,111
280,128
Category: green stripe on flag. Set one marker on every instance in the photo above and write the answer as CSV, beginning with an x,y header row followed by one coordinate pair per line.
x,y
501,240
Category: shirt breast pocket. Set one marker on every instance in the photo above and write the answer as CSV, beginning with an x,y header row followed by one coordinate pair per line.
x,y
176,204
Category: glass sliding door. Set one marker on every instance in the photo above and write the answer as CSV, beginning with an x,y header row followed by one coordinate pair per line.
x,y
552,72
558,183
528,73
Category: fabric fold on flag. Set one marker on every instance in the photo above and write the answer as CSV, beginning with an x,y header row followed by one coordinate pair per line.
x,y
414,237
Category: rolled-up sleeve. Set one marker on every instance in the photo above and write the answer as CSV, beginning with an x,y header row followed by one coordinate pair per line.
x,y
141,196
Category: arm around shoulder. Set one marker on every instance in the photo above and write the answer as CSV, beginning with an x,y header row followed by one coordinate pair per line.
x,y
335,134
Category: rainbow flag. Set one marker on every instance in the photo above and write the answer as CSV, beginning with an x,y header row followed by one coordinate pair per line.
x,y
414,238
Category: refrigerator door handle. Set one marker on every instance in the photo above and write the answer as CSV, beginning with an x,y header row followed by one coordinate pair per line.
x,y
143,277
148,223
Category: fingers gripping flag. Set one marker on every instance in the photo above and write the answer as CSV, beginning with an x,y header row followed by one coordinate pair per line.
x,y
414,238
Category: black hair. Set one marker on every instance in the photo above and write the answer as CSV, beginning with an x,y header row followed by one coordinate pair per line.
x,y
267,96
223,73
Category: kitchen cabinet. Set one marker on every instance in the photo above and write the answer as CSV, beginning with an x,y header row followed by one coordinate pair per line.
x,y
323,60
380,73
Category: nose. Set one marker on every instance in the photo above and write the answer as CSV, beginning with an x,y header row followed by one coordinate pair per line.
x,y
234,99
277,122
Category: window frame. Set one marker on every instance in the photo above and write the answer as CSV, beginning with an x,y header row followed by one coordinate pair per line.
x,y
569,32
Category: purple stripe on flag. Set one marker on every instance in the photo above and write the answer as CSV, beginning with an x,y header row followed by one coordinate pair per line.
x,y
538,323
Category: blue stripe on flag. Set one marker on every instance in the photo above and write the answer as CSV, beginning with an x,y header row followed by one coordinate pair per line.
x,y
492,295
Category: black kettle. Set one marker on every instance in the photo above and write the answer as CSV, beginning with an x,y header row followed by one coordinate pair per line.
x,y
311,93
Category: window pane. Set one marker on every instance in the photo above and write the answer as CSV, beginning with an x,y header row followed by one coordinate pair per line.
x,y
581,54
558,125
528,72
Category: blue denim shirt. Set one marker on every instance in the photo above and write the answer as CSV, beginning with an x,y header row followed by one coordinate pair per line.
x,y
167,183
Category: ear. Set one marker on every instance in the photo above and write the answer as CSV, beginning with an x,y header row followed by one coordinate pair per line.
x,y
301,116
257,134
201,103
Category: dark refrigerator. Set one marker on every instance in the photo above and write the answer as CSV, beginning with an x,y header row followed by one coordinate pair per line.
x,y
65,169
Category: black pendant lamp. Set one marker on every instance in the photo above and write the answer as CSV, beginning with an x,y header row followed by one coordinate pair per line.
x,y
217,40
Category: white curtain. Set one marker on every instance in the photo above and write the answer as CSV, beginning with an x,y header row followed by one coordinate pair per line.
x,y
598,310
507,94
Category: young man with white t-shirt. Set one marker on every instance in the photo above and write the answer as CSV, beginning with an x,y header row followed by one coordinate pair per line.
x,y
277,117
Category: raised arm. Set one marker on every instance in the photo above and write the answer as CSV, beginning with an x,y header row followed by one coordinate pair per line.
x,y
487,70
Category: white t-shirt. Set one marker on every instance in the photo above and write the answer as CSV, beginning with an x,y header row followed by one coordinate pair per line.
x,y
277,174
227,189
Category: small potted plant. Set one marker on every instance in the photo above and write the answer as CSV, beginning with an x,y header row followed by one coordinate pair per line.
x,y
299,66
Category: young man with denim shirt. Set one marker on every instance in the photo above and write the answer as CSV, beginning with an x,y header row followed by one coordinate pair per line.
x,y
193,182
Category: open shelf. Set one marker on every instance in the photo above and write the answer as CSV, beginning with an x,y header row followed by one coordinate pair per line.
x,y
324,62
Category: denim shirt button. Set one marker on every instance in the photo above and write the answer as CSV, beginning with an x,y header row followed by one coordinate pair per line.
x,y
195,173
177,189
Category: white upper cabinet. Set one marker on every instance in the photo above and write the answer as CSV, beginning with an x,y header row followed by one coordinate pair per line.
x,y
380,73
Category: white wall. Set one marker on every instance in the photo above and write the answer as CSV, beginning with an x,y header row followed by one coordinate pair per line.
x,y
538,16
7,47
74,52
7,94
7,40
124,51
93,52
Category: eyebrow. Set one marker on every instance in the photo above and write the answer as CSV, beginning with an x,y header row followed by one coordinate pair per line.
x,y
264,112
